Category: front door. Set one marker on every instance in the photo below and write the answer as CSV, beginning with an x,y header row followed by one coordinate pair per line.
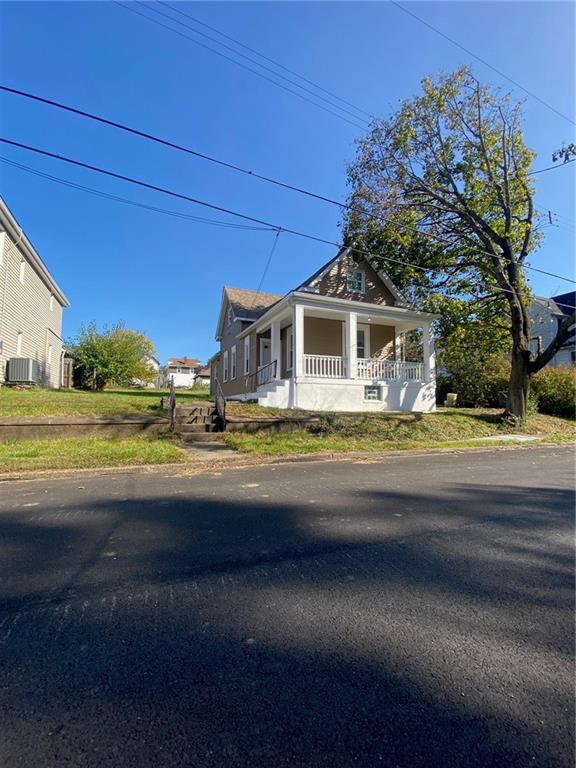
x,y
363,341
265,352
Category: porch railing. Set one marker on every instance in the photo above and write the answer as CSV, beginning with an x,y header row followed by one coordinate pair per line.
x,y
325,366
264,375
389,370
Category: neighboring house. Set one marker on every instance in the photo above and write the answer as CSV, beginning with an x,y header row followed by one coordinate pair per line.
x,y
153,365
31,305
203,376
182,371
333,343
545,316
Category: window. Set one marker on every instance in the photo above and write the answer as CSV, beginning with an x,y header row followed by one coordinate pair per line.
x,y
361,343
51,302
356,281
289,349
230,315
371,393
19,345
233,362
247,355
225,366
22,271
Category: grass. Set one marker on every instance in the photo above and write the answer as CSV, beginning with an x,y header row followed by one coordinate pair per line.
x,y
86,453
391,431
75,402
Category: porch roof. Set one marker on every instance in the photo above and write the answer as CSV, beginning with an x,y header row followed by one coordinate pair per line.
x,y
317,301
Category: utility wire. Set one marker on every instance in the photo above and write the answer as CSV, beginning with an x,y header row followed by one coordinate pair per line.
x,y
203,156
481,60
266,268
129,7
244,216
153,7
107,195
267,58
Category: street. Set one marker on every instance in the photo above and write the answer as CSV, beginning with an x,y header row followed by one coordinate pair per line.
x,y
415,611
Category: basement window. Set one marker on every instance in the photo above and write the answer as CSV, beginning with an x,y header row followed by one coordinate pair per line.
x,y
371,393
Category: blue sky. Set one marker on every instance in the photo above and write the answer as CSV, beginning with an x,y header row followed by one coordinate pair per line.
x,y
164,275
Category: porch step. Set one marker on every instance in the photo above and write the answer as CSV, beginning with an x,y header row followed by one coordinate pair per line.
x,y
202,437
183,420
185,429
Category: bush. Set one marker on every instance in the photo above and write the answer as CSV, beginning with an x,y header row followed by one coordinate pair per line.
x,y
555,390
477,383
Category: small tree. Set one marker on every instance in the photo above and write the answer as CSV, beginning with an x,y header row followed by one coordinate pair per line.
x,y
116,355
449,173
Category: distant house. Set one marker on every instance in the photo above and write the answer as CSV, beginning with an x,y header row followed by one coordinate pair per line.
x,y
31,305
545,316
203,376
182,371
335,343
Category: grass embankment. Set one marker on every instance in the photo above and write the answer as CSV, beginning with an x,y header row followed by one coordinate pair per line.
x,y
86,453
392,431
75,402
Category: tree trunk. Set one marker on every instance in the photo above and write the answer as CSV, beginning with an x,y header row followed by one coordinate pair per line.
x,y
518,387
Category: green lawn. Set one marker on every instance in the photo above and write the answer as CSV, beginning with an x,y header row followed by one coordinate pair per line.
x,y
393,431
86,453
74,402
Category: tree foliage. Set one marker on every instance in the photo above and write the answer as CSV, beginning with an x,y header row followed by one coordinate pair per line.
x,y
116,355
444,184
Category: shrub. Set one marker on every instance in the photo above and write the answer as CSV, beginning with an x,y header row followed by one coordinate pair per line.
x,y
555,390
477,383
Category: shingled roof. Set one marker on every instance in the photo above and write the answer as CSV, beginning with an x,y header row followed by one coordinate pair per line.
x,y
250,305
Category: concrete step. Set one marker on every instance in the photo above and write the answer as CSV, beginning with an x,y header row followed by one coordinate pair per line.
x,y
194,419
202,437
185,429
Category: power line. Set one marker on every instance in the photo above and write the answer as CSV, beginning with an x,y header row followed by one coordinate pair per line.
x,y
242,55
203,156
551,167
243,216
266,268
129,7
267,58
107,195
481,60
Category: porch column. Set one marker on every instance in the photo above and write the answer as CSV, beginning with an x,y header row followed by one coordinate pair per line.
x,y
398,346
429,354
351,345
275,353
298,339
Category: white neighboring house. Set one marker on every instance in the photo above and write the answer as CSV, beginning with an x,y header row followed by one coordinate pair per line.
x,y
203,376
545,316
31,305
182,371
335,343
153,365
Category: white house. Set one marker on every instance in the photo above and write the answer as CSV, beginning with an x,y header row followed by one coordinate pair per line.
x,y
332,344
545,316
182,371
31,305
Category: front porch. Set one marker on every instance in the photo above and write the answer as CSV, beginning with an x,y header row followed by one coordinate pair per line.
x,y
317,356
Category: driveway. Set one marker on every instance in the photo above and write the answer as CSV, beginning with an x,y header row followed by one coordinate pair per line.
x,y
412,612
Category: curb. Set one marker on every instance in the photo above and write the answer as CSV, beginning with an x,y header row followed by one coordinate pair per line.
x,y
245,461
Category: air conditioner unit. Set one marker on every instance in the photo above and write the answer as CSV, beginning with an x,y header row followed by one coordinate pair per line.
x,y
23,369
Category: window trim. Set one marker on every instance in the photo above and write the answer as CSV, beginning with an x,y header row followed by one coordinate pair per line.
x,y
247,352
19,339
51,302
233,362
372,387
362,274
22,271
225,366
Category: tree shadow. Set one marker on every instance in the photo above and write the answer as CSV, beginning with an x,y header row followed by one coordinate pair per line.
x,y
190,630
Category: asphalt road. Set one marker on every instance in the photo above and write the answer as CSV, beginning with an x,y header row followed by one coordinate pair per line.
x,y
413,612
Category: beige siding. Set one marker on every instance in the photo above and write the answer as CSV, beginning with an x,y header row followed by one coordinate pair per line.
x,y
382,341
25,309
322,336
334,283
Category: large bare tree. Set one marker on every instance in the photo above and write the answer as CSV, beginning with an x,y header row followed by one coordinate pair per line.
x,y
447,179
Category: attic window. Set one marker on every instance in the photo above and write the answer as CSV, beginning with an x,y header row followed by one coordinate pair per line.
x,y
355,281
230,316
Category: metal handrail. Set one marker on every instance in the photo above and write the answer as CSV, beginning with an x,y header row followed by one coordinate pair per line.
x,y
262,376
220,402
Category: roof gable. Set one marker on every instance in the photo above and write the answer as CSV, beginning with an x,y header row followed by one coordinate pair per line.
x,y
331,280
245,305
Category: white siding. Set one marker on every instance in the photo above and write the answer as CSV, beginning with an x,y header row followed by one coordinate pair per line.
x,y
25,309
